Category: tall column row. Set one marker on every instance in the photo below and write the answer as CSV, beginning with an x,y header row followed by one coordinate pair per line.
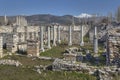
x,y
55,39
58,39
81,36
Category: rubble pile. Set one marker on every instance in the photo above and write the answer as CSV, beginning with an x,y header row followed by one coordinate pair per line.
x,y
10,62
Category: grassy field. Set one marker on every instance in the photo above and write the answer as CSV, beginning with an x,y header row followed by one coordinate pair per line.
x,y
25,73
55,52
18,73
117,77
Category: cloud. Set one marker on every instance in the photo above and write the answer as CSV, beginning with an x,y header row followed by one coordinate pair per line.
x,y
84,15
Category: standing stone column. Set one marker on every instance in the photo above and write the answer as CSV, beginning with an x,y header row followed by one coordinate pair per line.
x,y
58,31
19,20
70,36
16,20
95,41
25,33
5,20
54,38
81,36
1,46
33,37
51,33
49,37
42,43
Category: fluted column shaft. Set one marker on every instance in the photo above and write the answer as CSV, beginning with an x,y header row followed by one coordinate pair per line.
x,y
49,37
42,43
59,41
81,36
54,38
95,41
70,36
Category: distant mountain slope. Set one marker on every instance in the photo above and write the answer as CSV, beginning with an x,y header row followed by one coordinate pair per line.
x,y
43,19
47,18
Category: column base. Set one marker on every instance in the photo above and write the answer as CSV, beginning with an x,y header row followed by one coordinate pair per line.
x,y
49,47
95,52
54,45
1,56
42,49
96,55
59,41
82,44
38,54
70,44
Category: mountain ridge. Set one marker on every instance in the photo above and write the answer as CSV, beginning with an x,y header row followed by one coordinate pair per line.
x,y
43,19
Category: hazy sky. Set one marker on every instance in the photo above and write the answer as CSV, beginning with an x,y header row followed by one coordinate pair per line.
x,y
57,7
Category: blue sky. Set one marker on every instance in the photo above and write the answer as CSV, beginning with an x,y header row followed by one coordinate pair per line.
x,y
57,7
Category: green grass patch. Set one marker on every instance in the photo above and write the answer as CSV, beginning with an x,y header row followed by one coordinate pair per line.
x,y
86,38
64,75
55,52
19,73
5,51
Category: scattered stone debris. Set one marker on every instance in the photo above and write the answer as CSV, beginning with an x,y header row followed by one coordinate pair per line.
x,y
45,58
73,54
10,62
38,70
60,64
105,73
70,63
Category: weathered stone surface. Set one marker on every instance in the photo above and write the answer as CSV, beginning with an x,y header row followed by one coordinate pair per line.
x,y
113,46
33,47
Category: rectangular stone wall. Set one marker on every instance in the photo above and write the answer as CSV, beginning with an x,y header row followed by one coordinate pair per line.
x,y
113,48
11,43
75,36
33,48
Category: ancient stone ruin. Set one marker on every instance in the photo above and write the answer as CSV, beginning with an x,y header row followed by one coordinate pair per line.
x,y
113,46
